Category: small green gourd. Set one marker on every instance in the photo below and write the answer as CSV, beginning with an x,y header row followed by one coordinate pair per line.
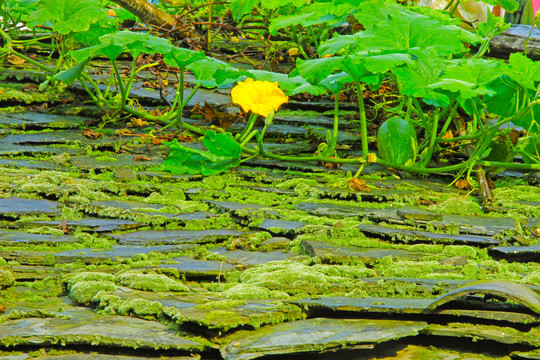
x,y
396,141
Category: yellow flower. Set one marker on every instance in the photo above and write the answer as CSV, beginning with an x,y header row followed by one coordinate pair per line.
x,y
258,96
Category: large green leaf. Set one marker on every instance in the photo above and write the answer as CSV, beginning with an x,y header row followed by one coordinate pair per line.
x,y
138,43
335,82
112,45
469,77
523,70
315,70
504,101
67,16
318,13
375,63
339,44
181,57
285,82
507,100
508,5
206,70
414,33
415,77
290,20
105,26
393,28
223,153
109,49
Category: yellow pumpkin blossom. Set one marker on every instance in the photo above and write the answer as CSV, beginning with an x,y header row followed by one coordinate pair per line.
x,y
259,97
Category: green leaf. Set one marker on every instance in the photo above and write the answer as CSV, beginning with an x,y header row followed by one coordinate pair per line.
x,y
523,70
97,30
240,8
206,70
417,75
313,14
413,33
469,77
223,153
308,88
285,21
112,45
125,14
393,28
274,4
493,26
20,10
339,44
335,82
508,5
285,82
67,16
70,75
532,149
505,98
374,63
137,43
110,50
315,70
181,57
222,144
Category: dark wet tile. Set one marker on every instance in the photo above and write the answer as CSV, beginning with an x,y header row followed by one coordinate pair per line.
x,y
154,237
317,335
516,253
425,236
195,269
85,327
330,253
251,258
94,224
8,237
15,207
91,256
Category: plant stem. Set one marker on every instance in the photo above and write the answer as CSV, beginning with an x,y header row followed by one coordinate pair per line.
x,y
432,138
120,85
333,141
208,32
363,120
249,126
419,112
448,120
409,109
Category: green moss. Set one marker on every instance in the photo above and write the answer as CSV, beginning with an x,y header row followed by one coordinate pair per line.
x,y
89,276
84,291
141,308
106,158
46,230
150,282
6,278
221,304
250,292
18,314
459,250
532,278
466,206
296,279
